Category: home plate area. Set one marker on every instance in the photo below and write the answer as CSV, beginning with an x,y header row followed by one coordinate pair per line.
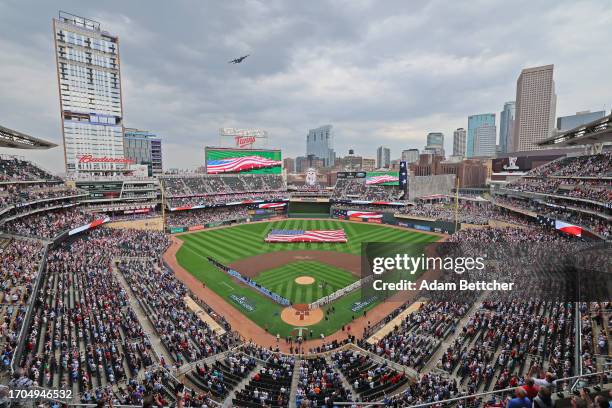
x,y
300,315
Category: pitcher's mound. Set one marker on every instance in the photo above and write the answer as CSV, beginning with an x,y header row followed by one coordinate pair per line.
x,y
299,315
304,280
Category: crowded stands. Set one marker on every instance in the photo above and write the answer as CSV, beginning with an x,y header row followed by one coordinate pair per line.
x,y
419,336
370,380
21,193
19,267
206,185
16,169
355,189
206,216
270,386
161,295
597,165
49,224
319,384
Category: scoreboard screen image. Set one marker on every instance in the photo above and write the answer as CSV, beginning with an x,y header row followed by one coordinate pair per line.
x,y
253,161
382,178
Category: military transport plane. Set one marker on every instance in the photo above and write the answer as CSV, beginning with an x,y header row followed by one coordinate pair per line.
x,y
237,60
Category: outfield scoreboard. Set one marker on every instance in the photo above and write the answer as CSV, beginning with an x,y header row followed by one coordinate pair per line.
x,y
382,178
220,160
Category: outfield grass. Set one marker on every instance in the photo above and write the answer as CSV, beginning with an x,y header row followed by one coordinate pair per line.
x,y
231,244
328,279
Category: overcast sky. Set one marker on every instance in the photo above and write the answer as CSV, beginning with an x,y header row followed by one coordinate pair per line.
x,y
382,72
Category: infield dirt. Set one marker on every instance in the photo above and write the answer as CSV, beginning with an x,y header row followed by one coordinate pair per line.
x,y
254,265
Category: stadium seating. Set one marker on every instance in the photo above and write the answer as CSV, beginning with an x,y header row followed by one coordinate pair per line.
x,y
49,224
270,386
352,189
466,213
420,335
319,384
585,215
370,380
223,376
16,169
19,194
586,165
186,337
203,185
19,267
205,216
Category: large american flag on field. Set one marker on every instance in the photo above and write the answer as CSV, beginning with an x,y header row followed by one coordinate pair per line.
x,y
235,164
306,236
385,178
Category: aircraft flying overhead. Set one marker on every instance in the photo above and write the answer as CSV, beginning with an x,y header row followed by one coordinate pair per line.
x,y
237,60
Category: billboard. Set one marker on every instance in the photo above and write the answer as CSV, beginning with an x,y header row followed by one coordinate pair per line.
x,y
350,174
243,138
521,163
382,178
254,161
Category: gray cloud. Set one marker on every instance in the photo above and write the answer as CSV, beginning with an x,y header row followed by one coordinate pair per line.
x,y
381,72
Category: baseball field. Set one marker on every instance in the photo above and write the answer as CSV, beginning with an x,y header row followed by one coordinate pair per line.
x,y
301,272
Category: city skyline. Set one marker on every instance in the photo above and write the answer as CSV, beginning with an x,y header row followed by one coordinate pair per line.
x,y
397,95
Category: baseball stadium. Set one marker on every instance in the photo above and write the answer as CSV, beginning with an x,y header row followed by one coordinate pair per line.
x,y
249,279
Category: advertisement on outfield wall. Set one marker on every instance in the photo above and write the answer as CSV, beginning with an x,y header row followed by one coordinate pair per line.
x,y
248,161
382,178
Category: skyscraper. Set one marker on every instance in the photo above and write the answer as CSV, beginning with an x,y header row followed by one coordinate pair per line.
x,y
320,144
383,157
89,78
410,155
144,147
435,143
535,107
435,139
474,122
506,126
484,140
565,123
459,136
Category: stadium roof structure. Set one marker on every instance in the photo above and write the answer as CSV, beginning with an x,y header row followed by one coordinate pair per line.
x,y
597,131
17,140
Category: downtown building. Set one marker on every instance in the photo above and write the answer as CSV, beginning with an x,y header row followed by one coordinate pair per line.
x,y
475,122
459,139
536,103
565,123
484,140
506,126
383,157
435,143
320,145
89,79
144,147
410,155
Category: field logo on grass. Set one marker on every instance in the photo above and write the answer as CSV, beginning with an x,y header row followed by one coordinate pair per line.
x,y
357,306
243,301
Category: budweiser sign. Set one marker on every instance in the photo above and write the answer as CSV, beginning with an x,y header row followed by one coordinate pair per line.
x,y
88,158
244,141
